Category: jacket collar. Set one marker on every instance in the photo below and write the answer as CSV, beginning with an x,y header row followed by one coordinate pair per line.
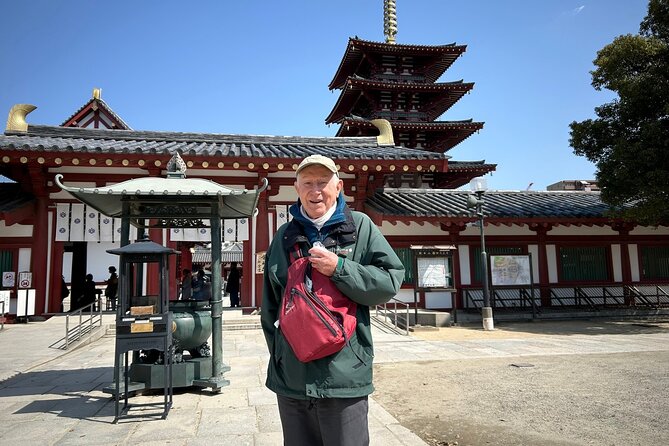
x,y
341,234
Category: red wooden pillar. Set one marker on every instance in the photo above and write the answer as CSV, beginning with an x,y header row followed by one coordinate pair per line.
x,y
175,274
39,254
362,178
262,243
623,235
454,231
542,231
57,249
152,273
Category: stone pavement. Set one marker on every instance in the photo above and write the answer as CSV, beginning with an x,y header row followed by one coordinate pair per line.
x,y
55,398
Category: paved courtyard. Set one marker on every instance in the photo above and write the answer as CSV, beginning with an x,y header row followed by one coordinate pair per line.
x,y
51,397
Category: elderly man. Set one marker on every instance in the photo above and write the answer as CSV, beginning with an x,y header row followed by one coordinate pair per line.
x,y
325,401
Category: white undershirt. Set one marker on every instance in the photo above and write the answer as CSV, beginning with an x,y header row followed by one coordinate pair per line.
x,y
320,221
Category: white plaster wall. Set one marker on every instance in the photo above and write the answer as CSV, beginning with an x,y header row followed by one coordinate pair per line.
x,y
490,230
551,257
411,229
98,260
463,258
439,299
67,266
15,230
286,194
582,230
617,263
645,230
406,295
24,260
534,252
134,171
634,261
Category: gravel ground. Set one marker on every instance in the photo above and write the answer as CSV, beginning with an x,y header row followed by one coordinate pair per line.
x,y
595,399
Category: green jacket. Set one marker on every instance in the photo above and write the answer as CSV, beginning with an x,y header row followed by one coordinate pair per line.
x,y
370,274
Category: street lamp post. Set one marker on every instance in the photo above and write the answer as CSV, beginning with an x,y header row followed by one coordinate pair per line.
x,y
478,186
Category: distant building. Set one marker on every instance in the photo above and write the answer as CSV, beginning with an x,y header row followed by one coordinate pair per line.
x,y
580,185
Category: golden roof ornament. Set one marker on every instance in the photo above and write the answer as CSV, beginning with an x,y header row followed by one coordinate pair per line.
x,y
389,20
97,93
16,121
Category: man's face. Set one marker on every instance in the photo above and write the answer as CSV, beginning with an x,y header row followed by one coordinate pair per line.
x,y
318,189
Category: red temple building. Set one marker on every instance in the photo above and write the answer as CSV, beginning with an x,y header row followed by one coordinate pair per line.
x,y
391,150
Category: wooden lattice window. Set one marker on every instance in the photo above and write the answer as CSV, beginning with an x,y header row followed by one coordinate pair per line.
x,y
584,264
406,256
655,262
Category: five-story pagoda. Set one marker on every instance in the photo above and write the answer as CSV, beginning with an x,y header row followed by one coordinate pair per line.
x,y
398,83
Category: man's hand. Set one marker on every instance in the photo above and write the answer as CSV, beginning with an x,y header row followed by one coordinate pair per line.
x,y
323,261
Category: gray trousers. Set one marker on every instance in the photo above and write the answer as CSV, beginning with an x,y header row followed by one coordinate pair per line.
x,y
324,421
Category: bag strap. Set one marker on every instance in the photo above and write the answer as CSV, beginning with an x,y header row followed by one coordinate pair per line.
x,y
295,253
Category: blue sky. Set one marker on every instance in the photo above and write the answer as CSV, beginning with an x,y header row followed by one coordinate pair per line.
x,y
263,67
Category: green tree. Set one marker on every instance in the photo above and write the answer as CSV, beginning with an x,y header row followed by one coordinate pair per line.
x,y
629,139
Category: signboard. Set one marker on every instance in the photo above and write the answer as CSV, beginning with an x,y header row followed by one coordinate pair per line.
x,y
8,279
4,302
260,262
433,272
25,279
510,270
25,303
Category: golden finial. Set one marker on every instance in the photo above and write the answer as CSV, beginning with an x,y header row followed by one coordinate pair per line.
x,y
389,20
97,93
16,121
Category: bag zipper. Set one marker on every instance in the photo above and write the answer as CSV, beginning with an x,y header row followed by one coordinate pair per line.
x,y
295,291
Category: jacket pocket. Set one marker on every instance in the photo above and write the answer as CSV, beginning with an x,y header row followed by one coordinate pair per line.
x,y
351,368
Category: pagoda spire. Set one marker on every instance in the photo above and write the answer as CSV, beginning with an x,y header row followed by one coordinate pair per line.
x,y
389,20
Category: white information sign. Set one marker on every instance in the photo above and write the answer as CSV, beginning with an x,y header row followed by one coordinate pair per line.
x,y
433,272
4,302
8,279
510,270
25,279
25,303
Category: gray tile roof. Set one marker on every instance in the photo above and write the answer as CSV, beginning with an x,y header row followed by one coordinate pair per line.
x,y
68,140
499,204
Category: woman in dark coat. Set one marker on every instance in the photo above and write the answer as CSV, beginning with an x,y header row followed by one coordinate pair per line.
x,y
232,285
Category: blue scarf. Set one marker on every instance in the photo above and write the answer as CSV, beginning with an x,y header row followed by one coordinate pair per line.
x,y
310,230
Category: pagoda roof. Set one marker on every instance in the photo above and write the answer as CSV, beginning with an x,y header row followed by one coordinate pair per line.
x,y
70,142
96,105
450,133
440,96
461,173
442,57
501,207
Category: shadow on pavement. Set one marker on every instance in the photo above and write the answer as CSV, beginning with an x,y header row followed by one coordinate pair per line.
x,y
586,327
58,382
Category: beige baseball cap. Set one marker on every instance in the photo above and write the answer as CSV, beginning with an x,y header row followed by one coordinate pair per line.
x,y
321,160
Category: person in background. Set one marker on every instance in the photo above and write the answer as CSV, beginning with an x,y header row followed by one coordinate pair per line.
x,y
112,288
186,284
200,286
64,292
325,401
232,285
90,292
